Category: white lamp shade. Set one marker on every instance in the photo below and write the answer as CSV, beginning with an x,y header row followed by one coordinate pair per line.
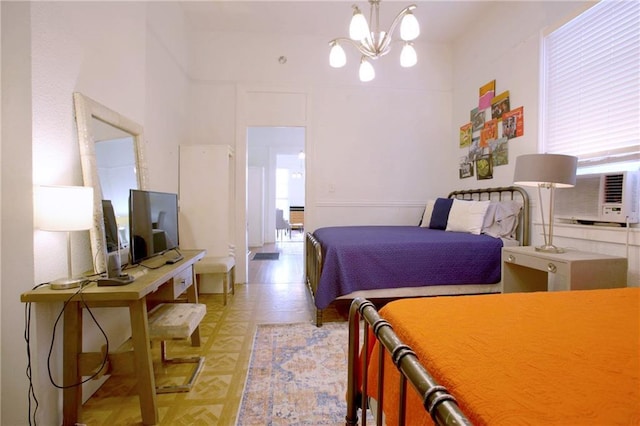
x,y
409,27
556,169
358,28
64,208
408,56
337,57
366,72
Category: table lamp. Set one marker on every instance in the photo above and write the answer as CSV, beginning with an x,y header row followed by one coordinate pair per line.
x,y
67,209
548,171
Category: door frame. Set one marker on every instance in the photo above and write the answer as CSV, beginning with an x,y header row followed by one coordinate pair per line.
x,y
259,106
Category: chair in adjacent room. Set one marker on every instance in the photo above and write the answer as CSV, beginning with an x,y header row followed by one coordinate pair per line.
x,y
282,225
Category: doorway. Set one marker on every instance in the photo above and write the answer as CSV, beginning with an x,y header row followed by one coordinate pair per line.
x,y
278,155
268,109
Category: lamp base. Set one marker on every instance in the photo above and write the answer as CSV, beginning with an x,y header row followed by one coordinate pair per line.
x,y
550,248
67,283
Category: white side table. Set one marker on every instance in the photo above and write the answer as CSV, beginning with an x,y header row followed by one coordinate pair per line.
x,y
525,269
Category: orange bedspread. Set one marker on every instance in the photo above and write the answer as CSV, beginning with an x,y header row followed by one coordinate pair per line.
x,y
562,358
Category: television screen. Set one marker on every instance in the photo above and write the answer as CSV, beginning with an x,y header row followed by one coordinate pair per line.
x,y
153,223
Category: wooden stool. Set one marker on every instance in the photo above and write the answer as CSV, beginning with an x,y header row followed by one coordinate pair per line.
x,y
218,265
176,321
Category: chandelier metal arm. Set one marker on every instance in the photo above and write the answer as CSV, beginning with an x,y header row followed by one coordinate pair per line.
x,y
361,48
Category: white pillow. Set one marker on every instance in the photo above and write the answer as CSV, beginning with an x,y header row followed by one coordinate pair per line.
x,y
426,217
467,216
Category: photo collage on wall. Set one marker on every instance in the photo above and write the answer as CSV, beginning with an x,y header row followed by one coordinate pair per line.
x,y
491,125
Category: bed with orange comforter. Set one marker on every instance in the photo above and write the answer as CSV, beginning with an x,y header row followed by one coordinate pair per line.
x,y
558,358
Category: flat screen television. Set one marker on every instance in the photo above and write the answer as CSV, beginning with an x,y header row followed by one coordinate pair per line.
x,y
153,223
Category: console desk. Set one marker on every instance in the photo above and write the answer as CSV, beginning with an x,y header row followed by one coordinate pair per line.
x,y
164,283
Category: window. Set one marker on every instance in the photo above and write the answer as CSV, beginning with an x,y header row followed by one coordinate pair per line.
x,y
591,87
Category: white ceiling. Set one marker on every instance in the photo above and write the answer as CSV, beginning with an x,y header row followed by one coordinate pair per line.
x,y
440,21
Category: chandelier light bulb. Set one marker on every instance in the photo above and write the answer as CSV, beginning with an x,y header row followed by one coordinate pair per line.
x,y
359,28
409,27
337,57
366,72
408,56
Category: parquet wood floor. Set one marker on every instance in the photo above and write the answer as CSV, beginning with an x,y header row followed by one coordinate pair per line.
x,y
275,294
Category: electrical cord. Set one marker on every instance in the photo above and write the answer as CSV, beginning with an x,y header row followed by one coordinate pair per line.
x,y
31,392
53,338
31,396
157,265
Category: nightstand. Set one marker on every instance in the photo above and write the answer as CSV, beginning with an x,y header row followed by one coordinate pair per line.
x,y
525,269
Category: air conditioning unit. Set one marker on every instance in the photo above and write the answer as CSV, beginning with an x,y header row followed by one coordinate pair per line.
x,y
605,197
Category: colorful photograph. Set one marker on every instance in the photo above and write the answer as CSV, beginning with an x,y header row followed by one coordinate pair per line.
x,y
466,168
475,150
488,132
500,105
499,151
465,135
487,92
484,167
513,123
477,119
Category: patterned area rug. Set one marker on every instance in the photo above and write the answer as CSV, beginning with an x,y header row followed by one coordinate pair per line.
x,y
297,376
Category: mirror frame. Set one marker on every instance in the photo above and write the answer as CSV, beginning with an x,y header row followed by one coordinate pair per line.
x,y
86,109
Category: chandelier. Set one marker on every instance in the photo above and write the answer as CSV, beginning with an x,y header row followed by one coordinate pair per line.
x,y
373,43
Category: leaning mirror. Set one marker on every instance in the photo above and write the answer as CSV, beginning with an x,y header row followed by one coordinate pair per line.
x,y
112,158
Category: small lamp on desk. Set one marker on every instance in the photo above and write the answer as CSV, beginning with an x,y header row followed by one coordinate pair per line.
x,y
67,209
548,171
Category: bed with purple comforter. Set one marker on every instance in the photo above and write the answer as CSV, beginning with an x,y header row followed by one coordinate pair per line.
x,y
378,257
343,260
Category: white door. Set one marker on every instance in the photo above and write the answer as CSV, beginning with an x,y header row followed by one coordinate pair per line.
x,y
255,206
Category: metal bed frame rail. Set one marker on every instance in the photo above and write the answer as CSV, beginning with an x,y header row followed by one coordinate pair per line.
x,y
437,401
313,268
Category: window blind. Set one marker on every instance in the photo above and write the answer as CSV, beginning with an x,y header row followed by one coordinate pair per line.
x,y
591,87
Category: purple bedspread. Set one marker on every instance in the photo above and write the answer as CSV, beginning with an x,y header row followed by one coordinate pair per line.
x,y
378,257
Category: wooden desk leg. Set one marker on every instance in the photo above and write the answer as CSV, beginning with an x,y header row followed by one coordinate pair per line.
x,y
192,297
143,361
71,396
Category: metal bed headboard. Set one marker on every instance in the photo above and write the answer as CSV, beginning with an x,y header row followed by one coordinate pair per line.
x,y
502,194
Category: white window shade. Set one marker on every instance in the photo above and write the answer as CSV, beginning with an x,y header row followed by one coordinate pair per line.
x,y
592,85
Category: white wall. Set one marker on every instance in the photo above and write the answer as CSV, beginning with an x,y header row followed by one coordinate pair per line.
x,y
508,50
351,152
16,263
166,120
96,49
127,56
